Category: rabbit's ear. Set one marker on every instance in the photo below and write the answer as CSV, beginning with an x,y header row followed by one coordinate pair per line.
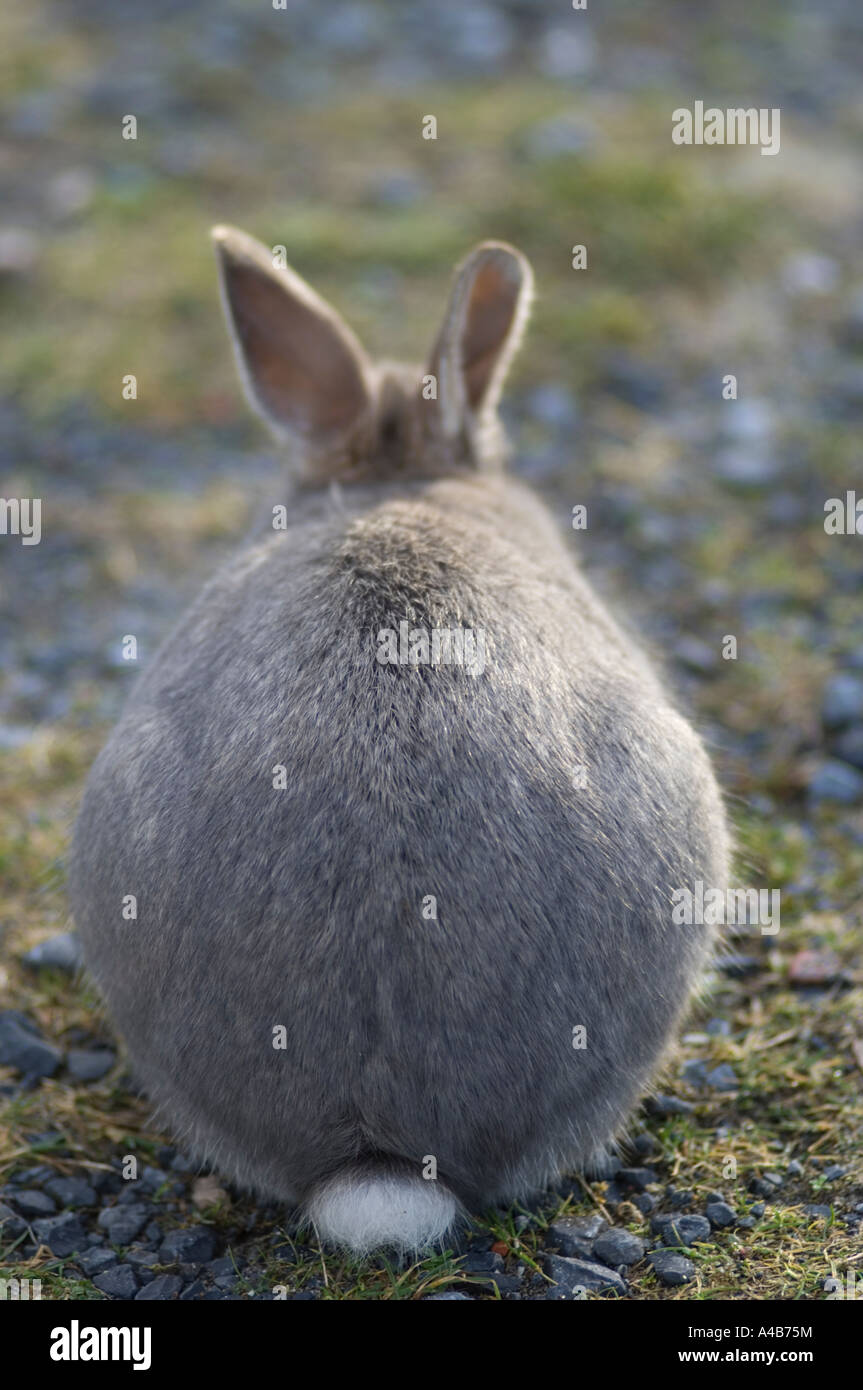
x,y
484,321
301,365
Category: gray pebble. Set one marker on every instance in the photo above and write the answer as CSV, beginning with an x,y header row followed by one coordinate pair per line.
x,y
94,1262
181,1164
664,1106
482,1262
637,1178
124,1223
617,1247
23,1047
197,1245
672,1269
737,966
11,1224
229,1264
448,1295
142,1259
163,1287
720,1215
572,1276
72,1192
195,1290
32,1202
835,781
63,1234
681,1230
849,746
842,701
119,1282
723,1078
645,1143
61,952
574,1235
90,1065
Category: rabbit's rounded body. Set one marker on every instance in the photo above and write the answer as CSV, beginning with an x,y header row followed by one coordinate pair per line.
x,y
412,1028
442,940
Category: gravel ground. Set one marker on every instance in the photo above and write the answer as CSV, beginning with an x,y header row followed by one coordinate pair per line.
x,y
705,519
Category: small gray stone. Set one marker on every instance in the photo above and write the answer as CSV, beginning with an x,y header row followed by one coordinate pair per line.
x,y
143,1259
737,966
723,1078
816,1210
119,1282
645,1143
617,1247
849,746
681,1230
448,1295
197,1290
482,1262
720,1215
95,1262
32,1202
665,1106
11,1224
834,1172
124,1223
63,1234
794,1168
842,701
197,1245
835,781
230,1264
72,1192
23,1047
671,1269
90,1065
694,1072
163,1287
573,1276
61,952
574,1235
151,1179
637,1178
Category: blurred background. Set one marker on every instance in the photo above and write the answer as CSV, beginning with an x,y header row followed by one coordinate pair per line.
x,y
304,126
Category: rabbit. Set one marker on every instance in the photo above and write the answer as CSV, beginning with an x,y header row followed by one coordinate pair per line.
x,y
389,937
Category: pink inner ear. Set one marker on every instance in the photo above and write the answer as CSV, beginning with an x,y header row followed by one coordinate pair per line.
x,y
488,321
302,368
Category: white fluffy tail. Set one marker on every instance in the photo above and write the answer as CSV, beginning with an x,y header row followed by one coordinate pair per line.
x,y
361,1210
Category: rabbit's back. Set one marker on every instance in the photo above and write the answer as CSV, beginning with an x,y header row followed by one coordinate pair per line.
x,y
393,947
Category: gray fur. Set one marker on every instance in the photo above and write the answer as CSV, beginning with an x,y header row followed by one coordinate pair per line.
x,y
257,907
